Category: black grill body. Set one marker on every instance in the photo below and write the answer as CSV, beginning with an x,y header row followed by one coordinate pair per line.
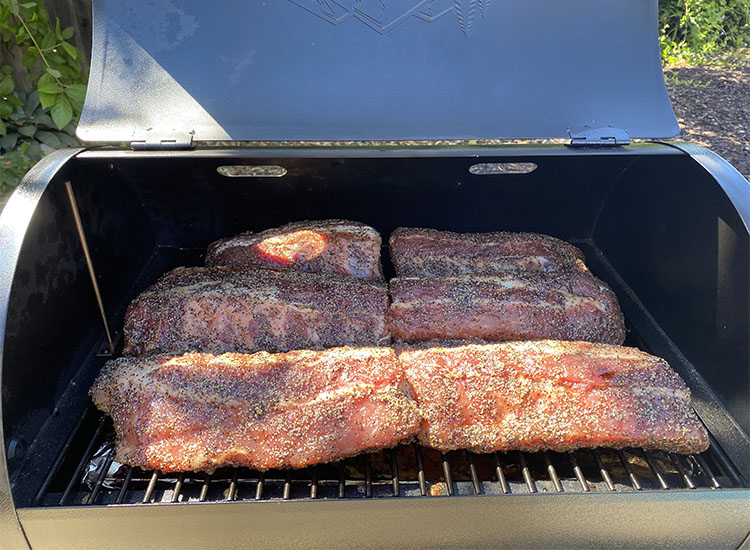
x,y
665,225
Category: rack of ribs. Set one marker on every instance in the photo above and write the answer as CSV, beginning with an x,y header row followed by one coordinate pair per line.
x,y
529,305
221,309
200,412
417,252
337,247
550,395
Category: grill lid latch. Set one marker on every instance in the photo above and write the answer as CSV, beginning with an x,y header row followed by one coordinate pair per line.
x,y
173,143
607,136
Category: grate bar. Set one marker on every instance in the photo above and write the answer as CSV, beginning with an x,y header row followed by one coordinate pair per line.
x,y
420,470
342,481
447,474
680,468
204,489
579,473
314,483
178,487
526,473
655,470
125,483
259,487
287,492
102,477
150,488
83,461
59,460
707,471
473,472
553,473
628,470
501,475
368,476
394,474
606,478
232,491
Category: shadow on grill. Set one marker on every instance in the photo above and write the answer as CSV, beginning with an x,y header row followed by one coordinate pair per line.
x,y
85,473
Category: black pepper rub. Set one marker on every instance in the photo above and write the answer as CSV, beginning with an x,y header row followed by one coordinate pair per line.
x,y
199,411
528,305
223,309
418,252
550,395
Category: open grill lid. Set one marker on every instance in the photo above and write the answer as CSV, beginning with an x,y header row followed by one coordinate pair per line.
x,y
172,72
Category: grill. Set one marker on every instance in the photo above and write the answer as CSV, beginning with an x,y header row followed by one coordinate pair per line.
x,y
59,449
83,474
664,224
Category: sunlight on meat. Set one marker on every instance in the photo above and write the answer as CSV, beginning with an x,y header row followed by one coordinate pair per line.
x,y
298,246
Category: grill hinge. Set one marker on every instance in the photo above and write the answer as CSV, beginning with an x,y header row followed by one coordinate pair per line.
x,y
598,137
184,141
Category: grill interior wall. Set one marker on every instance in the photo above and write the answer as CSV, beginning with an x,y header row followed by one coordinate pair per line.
x,y
673,236
157,211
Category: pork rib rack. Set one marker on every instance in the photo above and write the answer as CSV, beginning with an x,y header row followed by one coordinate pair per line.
x,y
223,309
199,411
550,395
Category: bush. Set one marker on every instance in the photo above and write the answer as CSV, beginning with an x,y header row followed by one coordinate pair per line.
x,y
41,91
692,30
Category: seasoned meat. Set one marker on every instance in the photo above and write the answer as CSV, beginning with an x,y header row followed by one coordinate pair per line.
x,y
199,411
514,306
550,395
432,253
326,246
222,309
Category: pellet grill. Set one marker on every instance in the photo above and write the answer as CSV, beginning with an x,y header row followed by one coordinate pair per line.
x,y
193,87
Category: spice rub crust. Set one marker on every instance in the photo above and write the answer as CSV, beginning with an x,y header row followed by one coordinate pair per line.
x,y
223,309
512,306
419,252
199,411
550,395
337,247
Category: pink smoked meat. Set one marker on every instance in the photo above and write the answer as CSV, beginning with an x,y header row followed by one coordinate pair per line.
x,y
337,247
419,252
200,412
550,395
514,306
223,309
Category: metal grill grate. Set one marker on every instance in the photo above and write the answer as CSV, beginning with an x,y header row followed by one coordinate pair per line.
x,y
85,474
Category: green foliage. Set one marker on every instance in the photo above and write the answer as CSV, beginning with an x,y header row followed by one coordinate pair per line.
x,y
30,132
32,124
13,166
694,30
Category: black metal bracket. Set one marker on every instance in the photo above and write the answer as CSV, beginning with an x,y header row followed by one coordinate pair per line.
x,y
607,136
183,142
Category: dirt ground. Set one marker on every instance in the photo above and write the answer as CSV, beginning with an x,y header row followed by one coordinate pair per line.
x,y
712,104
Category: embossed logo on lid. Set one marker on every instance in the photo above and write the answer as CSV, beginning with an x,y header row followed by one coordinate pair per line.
x,y
384,15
